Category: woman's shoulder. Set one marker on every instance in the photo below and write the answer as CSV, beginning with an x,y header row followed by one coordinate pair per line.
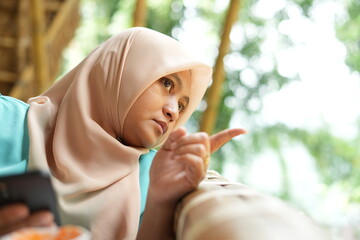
x,y
10,104
14,147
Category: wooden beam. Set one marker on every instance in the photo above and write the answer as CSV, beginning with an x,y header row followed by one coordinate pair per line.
x,y
7,42
39,45
213,96
11,4
8,77
52,6
60,19
23,38
22,82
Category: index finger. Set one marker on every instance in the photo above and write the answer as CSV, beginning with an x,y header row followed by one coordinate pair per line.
x,y
173,137
220,138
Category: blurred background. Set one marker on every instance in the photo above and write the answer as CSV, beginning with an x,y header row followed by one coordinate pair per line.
x,y
287,71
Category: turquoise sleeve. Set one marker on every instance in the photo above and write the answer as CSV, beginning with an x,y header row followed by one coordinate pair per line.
x,y
145,164
14,137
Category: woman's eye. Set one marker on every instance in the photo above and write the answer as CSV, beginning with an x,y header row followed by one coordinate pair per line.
x,y
180,107
168,84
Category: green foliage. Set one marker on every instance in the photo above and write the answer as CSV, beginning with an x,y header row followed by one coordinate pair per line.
x,y
337,159
164,16
349,33
305,5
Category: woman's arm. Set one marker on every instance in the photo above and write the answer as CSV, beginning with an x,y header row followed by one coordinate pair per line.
x,y
157,221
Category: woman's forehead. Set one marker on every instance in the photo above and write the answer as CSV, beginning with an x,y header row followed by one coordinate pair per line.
x,y
182,76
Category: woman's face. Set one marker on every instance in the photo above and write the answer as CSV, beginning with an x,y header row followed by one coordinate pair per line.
x,y
154,114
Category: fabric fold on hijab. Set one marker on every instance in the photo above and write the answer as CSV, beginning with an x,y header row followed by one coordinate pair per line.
x,y
74,127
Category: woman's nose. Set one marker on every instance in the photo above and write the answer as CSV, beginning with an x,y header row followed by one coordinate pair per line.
x,y
171,110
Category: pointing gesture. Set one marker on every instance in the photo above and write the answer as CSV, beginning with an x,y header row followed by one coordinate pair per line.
x,y
181,163
220,138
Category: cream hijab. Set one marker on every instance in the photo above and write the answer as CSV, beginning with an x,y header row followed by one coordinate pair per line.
x,y
73,128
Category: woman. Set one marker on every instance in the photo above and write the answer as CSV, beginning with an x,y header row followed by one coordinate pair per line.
x,y
93,130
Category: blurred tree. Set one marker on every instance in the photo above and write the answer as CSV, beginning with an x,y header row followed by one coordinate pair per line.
x,y
213,96
337,160
349,33
164,16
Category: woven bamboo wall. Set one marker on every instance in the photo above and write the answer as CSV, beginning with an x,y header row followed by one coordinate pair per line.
x,y
18,32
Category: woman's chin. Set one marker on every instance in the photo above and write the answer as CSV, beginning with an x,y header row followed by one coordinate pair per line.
x,y
150,142
155,142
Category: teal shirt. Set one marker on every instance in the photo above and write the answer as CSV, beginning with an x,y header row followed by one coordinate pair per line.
x,y
14,137
145,164
14,144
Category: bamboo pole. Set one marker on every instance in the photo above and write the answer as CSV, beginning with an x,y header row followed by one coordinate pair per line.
x,y
22,34
60,32
61,18
24,72
39,45
23,83
8,77
139,17
213,97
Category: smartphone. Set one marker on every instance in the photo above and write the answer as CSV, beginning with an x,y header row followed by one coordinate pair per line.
x,y
33,189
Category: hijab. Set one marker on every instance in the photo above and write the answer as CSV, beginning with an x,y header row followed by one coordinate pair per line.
x,y
74,126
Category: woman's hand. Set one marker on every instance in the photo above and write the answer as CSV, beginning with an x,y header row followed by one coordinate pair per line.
x,y
17,216
181,163
177,169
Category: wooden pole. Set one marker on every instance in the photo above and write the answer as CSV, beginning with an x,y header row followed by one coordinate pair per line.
x,y
59,33
139,17
39,46
213,97
23,83
62,17
22,53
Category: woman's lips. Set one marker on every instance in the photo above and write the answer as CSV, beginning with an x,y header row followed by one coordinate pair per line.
x,y
163,126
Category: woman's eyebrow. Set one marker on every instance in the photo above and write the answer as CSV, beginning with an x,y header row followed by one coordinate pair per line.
x,y
187,100
180,86
178,80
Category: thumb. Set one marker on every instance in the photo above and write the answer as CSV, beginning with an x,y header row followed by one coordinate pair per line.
x,y
173,137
